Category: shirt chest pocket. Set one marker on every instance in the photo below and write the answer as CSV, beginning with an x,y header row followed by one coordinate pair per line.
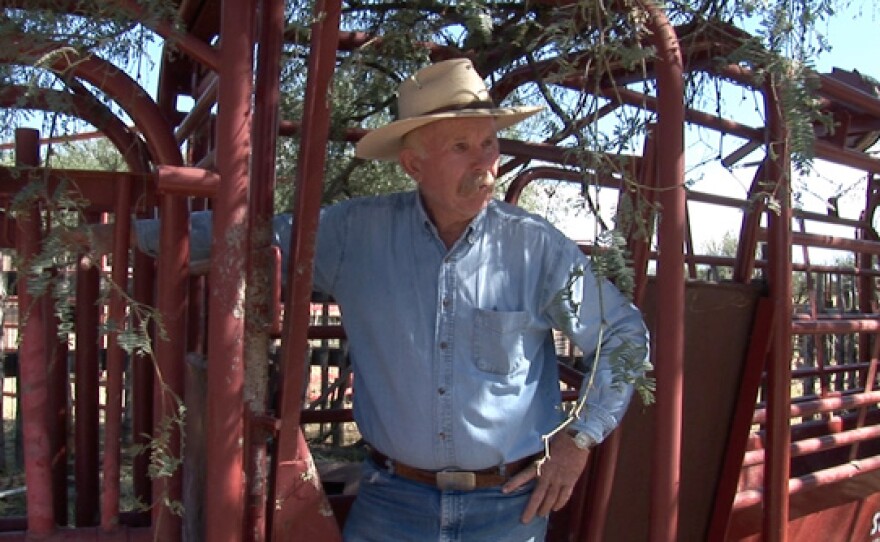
x,y
499,341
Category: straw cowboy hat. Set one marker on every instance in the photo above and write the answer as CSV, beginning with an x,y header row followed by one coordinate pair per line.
x,y
445,90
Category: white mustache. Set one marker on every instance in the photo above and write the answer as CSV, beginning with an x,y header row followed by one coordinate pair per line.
x,y
472,185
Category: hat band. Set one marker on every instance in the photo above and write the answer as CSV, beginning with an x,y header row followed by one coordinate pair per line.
x,y
476,104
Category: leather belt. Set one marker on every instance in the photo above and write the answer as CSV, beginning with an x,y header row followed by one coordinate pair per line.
x,y
453,480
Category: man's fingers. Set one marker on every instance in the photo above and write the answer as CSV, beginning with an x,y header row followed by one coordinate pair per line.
x,y
564,495
535,502
548,503
522,478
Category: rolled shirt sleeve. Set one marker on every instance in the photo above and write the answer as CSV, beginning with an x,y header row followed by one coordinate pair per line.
x,y
611,333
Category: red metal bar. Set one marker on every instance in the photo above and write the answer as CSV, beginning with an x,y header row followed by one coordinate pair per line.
x,y
33,361
848,95
669,334
263,285
187,181
172,281
813,480
189,45
643,197
867,324
115,83
84,107
200,112
823,149
90,184
59,409
305,517
142,379
526,177
592,523
826,404
170,355
86,395
748,232
756,360
224,503
840,243
868,382
115,359
737,203
775,520
818,444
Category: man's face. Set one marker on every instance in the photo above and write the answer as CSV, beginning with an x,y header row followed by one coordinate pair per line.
x,y
454,162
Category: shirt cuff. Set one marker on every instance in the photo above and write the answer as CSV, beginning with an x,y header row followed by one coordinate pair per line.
x,y
596,422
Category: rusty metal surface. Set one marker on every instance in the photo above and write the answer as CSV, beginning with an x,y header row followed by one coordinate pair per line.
x,y
224,502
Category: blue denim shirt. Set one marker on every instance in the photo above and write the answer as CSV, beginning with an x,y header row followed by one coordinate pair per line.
x,y
453,353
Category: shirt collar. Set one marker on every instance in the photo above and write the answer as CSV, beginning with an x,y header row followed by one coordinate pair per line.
x,y
474,230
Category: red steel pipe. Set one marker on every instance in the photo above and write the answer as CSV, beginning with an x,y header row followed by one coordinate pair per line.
x,y
115,83
263,288
200,112
304,517
818,327
819,406
818,444
196,49
89,184
224,428
86,392
191,46
143,279
33,360
668,337
775,518
87,108
59,408
847,95
823,149
115,359
187,181
815,479
170,354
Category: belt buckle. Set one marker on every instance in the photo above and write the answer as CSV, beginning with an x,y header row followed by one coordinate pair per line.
x,y
456,480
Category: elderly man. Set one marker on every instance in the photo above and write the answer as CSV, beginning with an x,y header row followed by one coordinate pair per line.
x,y
449,299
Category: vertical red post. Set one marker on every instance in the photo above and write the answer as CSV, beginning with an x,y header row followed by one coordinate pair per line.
x,y
261,293
33,359
59,411
86,395
142,381
172,281
224,502
115,359
778,467
668,337
307,516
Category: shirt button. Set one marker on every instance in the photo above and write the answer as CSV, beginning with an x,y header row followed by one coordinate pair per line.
x,y
446,302
444,345
442,435
441,391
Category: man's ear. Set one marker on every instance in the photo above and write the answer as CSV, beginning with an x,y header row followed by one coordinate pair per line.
x,y
411,162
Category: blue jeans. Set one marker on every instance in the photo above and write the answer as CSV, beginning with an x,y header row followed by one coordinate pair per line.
x,y
391,508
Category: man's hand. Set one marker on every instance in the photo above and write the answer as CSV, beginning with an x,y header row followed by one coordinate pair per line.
x,y
559,473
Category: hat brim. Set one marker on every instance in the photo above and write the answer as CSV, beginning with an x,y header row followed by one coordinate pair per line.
x,y
384,143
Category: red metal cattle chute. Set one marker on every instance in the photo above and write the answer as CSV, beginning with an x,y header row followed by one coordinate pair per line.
x,y
225,158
